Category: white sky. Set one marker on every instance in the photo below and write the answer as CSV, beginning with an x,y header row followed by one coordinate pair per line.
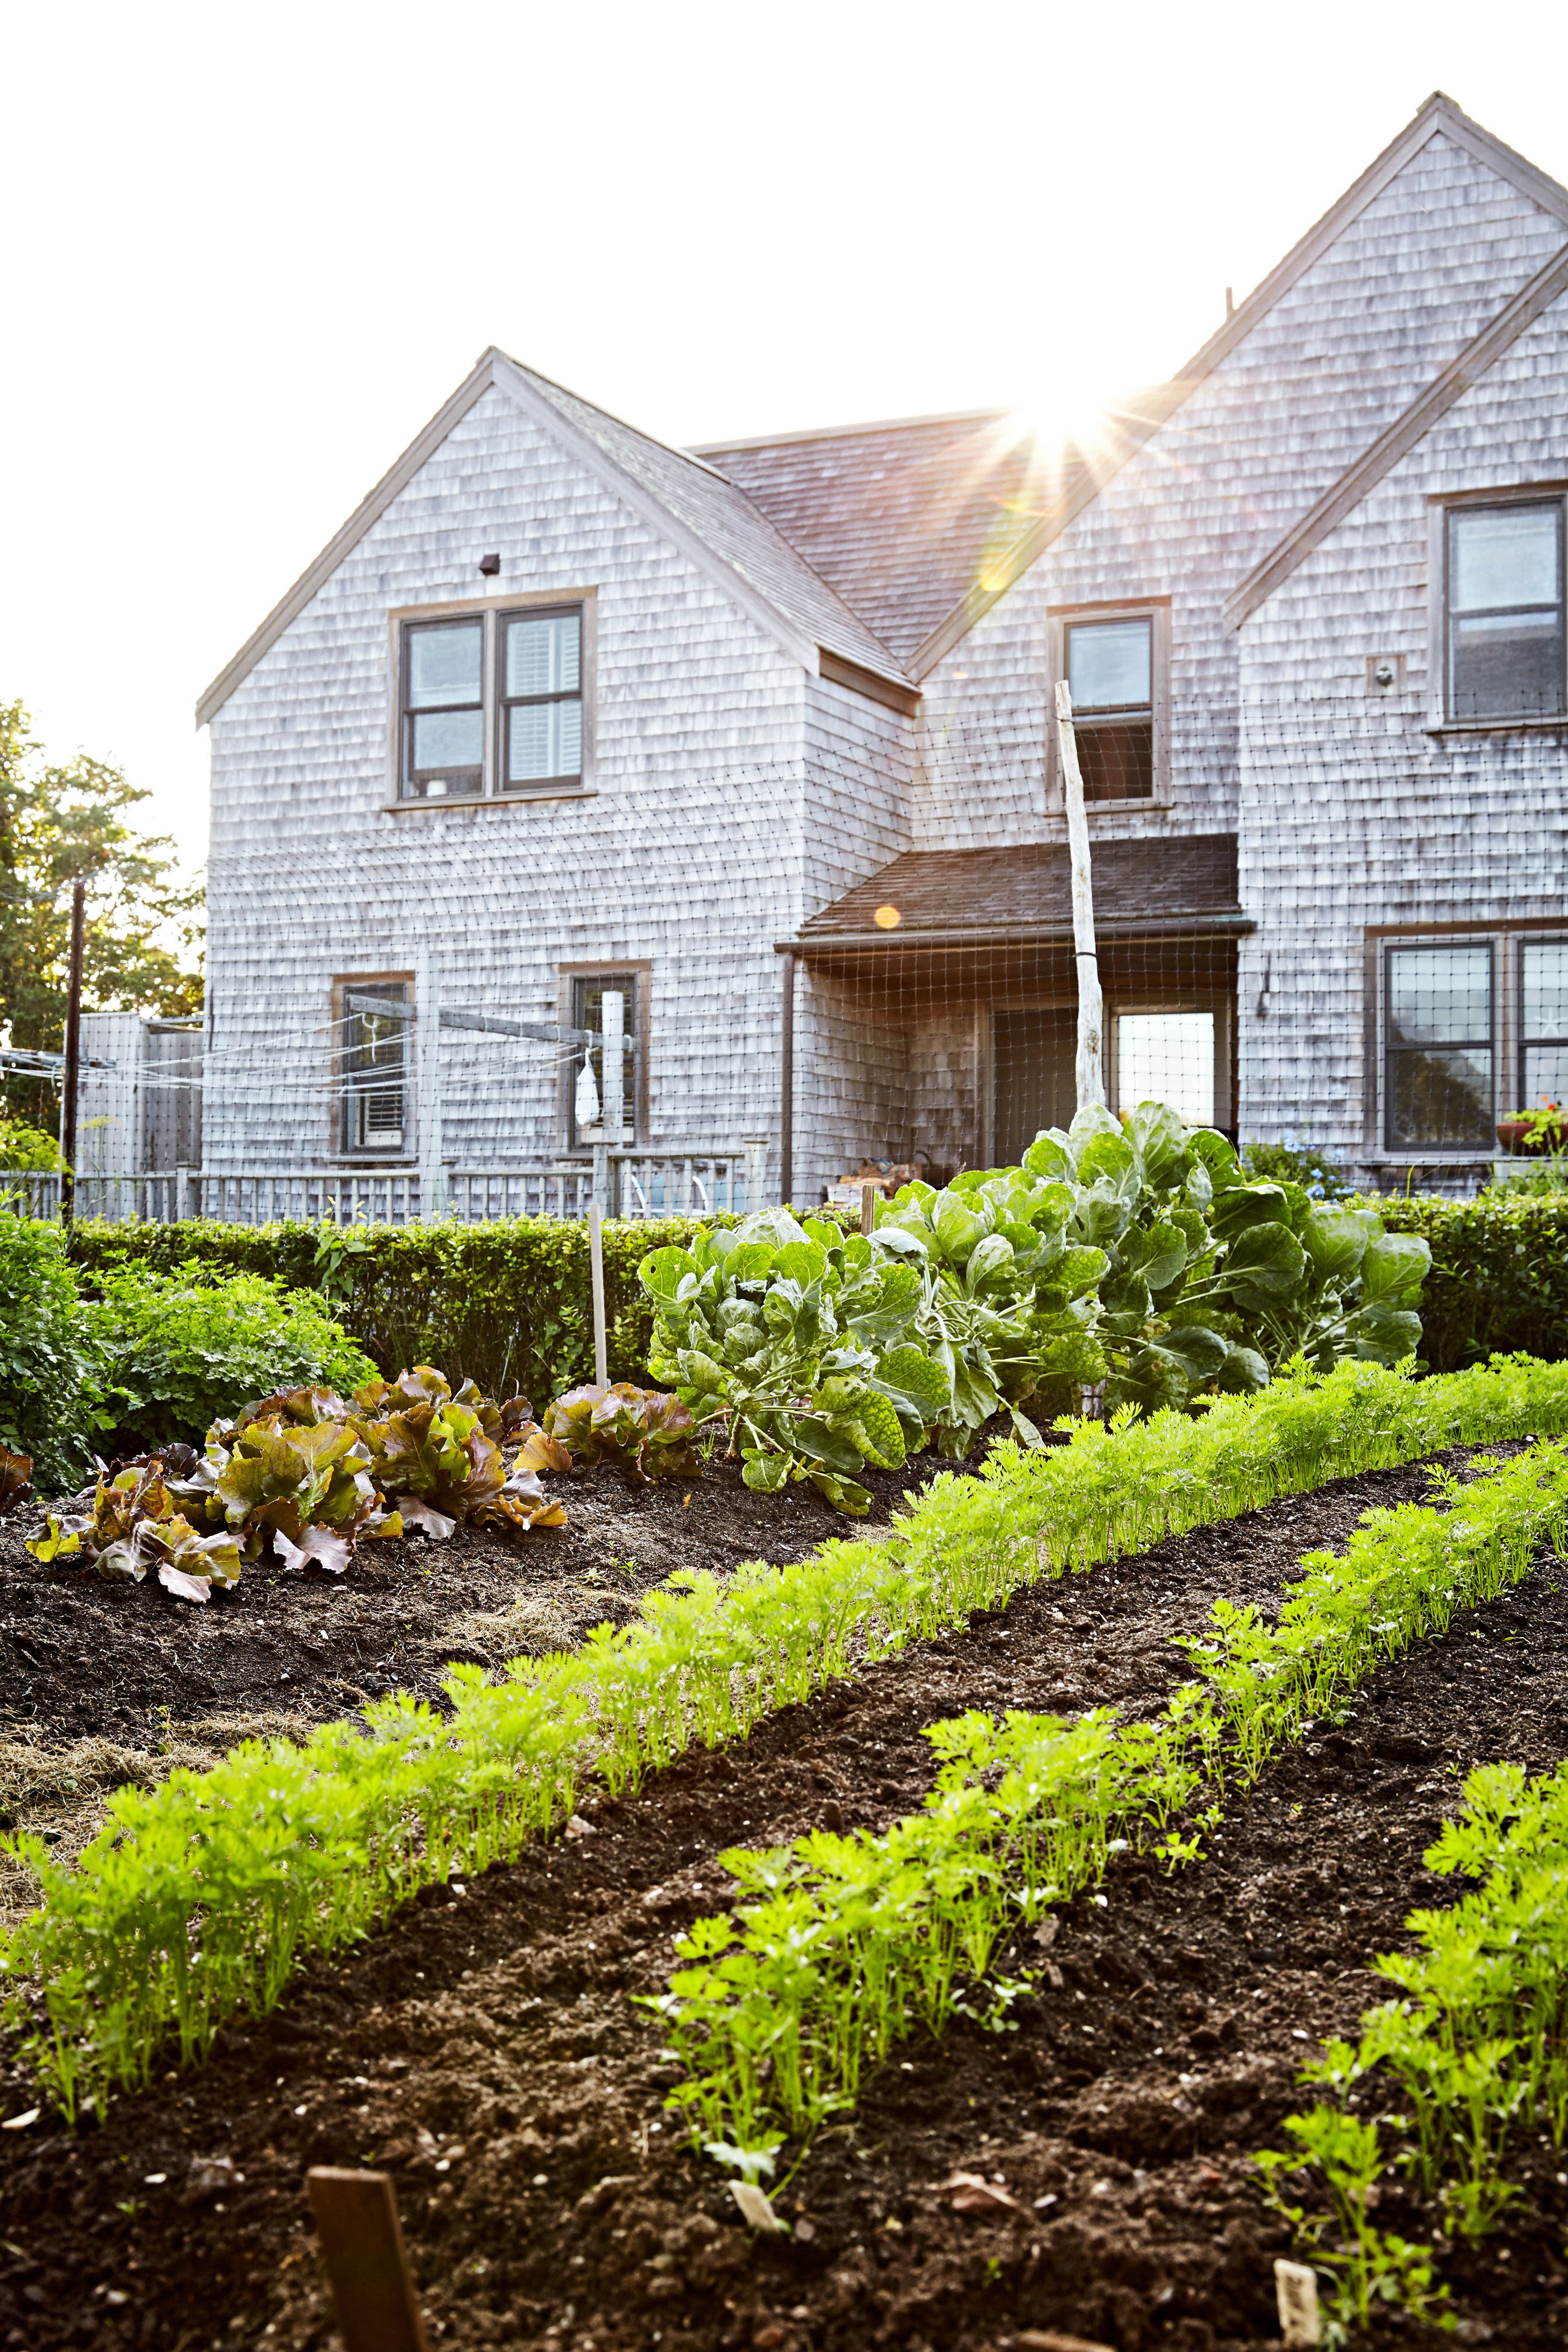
x,y
246,253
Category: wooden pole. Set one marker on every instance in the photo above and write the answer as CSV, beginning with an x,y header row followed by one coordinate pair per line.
x,y
361,2244
868,1207
71,1075
427,1043
1091,1063
787,1083
596,1271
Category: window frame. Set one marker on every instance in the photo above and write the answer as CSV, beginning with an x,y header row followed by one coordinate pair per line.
x,y
342,1150
1408,1154
407,714
490,611
536,786
1442,507
1060,619
1524,1041
639,970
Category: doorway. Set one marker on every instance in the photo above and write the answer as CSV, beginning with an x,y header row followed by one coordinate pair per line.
x,y
1035,1051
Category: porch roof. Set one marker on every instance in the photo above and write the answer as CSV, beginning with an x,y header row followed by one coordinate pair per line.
x,y
1164,885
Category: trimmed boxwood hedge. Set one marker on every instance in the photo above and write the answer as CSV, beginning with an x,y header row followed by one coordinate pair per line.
x,y
1499,1273
507,1303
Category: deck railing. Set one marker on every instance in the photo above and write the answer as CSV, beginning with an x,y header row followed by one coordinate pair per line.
x,y
625,1183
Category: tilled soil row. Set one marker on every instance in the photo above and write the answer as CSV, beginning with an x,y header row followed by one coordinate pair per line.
x,y
485,2048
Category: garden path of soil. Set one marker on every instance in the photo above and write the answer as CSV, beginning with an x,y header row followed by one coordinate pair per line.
x,y
485,2049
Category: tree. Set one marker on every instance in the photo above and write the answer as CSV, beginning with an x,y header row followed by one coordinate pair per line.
x,y
143,921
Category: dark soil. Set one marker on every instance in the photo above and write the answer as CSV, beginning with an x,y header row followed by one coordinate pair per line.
x,y
80,1656
484,2048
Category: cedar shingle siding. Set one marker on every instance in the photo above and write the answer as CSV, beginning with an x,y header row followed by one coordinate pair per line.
x,y
741,799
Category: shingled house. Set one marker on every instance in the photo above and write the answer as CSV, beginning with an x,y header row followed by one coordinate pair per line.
x,y
755,742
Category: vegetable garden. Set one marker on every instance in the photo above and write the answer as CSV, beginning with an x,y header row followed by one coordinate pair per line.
x,y
998,1893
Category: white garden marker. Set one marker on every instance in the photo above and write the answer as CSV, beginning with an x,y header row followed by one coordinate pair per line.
x,y
1091,1064
756,2209
1296,2290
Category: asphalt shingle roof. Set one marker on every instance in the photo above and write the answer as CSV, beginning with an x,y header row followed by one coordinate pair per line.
x,y
903,519
1171,878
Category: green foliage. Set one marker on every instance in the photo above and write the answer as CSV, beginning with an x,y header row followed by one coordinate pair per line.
x,y
646,1433
1369,2267
1475,2040
52,1374
507,1304
23,1147
1320,1178
1499,1280
289,1853
144,923
847,1945
182,1352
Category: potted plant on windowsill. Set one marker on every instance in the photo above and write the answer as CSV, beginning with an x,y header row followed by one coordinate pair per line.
x,y
1533,1132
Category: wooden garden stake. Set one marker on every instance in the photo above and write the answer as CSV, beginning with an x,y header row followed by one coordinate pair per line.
x,y
1090,1064
1296,2290
868,1201
596,1269
361,2244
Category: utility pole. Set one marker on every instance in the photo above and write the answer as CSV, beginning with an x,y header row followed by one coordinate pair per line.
x,y
73,1054
1091,1064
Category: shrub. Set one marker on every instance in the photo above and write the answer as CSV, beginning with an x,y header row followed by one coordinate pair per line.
x,y
52,1378
182,1352
506,1304
22,1146
1498,1278
1320,1178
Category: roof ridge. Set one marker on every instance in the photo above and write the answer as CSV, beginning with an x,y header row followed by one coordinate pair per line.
x,y
702,449
1397,439
1437,112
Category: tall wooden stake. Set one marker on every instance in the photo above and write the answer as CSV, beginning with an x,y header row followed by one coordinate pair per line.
x,y
71,1075
1090,1064
596,1272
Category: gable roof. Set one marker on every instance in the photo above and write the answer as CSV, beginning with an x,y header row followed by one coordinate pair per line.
x,y
708,518
1341,498
1136,424
901,517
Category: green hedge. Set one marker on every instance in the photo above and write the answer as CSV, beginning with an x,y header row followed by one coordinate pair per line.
x,y
1498,1281
507,1304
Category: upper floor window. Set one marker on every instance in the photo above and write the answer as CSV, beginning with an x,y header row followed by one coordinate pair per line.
x,y
541,697
490,702
1505,611
1110,668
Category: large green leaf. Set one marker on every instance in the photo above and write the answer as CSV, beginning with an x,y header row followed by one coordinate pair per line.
x,y
1241,1205
1266,1262
1383,1334
1336,1241
1201,1350
1049,1157
879,1431
913,1383
1394,1267
991,1262
663,1271
1160,1140
959,1226
1157,1252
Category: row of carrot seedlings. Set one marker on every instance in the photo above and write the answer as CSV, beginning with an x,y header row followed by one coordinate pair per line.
x,y
1472,2047
204,1898
843,1946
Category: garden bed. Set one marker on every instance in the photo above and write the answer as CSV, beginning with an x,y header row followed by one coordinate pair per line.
x,y
484,2050
102,1683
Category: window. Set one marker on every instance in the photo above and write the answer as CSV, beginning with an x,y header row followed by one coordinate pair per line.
x,y
375,1023
491,702
1166,1058
1543,1022
589,1112
541,698
1109,668
444,708
1505,616
1438,1047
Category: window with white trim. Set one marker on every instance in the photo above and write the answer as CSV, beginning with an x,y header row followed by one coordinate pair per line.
x,y
1110,669
1506,654
374,1059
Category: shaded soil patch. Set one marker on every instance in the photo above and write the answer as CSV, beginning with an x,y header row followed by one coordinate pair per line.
x,y
484,2050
